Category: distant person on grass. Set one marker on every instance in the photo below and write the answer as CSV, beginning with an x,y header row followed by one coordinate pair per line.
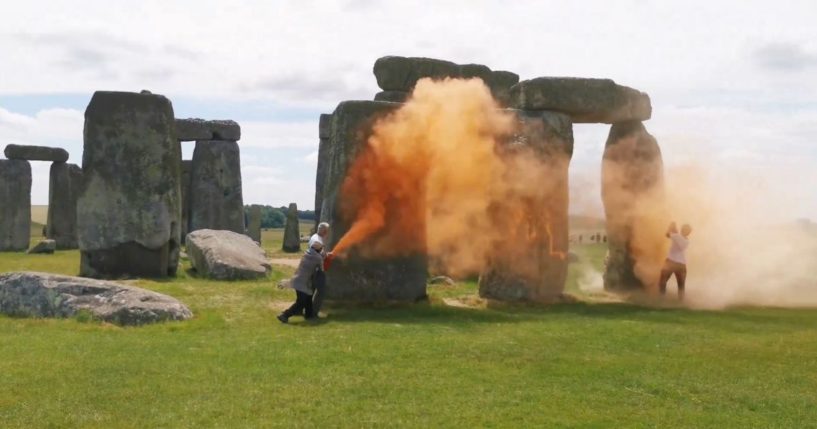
x,y
676,262
311,262
319,278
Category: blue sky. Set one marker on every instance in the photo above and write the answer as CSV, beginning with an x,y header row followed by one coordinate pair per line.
x,y
731,82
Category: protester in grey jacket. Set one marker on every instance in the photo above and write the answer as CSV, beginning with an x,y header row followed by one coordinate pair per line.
x,y
302,283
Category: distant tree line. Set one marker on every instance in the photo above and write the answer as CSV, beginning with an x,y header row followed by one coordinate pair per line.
x,y
275,217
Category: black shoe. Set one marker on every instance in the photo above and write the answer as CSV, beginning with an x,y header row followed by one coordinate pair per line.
x,y
281,318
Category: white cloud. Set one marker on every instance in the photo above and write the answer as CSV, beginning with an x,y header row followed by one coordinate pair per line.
x,y
730,81
312,158
271,135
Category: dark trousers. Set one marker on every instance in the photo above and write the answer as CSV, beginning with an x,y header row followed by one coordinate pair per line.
x,y
680,271
319,283
302,306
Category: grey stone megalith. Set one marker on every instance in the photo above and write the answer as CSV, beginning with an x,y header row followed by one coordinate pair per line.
x,y
15,204
292,233
187,169
633,197
254,223
129,209
216,199
36,153
397,76
585,100
65,183
530,262
324,131
357,278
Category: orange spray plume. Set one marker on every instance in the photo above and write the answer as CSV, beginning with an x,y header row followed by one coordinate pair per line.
x,y
431,174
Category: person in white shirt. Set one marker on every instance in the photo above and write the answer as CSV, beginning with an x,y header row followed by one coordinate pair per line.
x,y
320,234
676,262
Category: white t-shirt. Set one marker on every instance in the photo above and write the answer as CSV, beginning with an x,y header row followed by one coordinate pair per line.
x,y
678,248
314,238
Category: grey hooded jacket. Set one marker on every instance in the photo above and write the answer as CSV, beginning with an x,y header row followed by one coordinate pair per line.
x,y
310,262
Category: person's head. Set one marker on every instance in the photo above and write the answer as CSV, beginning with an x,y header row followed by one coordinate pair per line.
x,y
323,229
686,230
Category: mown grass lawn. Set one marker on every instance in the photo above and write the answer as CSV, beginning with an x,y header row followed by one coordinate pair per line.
x,y
425,365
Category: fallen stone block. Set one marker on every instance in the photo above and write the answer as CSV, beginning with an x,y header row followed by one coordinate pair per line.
x,y
226,255
44,246
32,294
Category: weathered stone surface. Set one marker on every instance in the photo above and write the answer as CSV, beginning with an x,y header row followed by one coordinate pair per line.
x,y
44,246
187,170
226,255
397,76
393,96
194,129
65,183
254,223
51,295
402,73
129,208
36,153
325,126
530,262
633,196
216,199
357,278
324,131
500,83
585,100
15,204
292,234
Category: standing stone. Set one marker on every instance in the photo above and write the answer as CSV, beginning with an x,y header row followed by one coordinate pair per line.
x,y
15,205
633,197
35,153
357,278
254,223
292,233
530,262
129,208
216,200
324,131
585,100
65,183
187,169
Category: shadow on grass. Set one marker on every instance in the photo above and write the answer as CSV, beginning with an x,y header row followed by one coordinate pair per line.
x,y
425,313
739,321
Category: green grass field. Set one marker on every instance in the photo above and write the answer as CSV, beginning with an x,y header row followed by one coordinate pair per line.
x,y
587,364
